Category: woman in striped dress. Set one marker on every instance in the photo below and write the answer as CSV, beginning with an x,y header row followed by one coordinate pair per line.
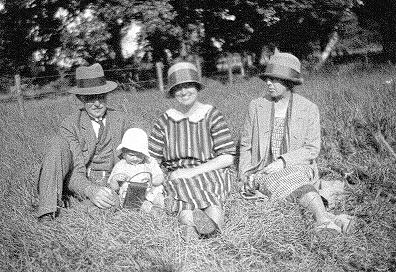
x,y
280,142
193,143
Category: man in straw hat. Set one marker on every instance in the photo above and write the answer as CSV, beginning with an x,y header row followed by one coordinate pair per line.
x,y
82,154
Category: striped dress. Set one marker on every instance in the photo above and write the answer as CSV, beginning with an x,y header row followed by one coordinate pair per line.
x,y
184,142
285,182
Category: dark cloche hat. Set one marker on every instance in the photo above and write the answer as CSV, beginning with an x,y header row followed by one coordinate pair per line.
x,y
182,72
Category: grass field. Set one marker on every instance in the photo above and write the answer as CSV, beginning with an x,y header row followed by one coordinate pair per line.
x,y
357,109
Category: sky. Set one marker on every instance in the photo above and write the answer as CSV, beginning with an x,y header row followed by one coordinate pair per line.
x,y
129,41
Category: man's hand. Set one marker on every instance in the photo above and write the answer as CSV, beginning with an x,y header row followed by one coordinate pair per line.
x,y
102,197
274,167
182,173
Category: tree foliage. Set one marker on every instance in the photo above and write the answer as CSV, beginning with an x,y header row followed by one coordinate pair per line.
x,y
297,24
87,31
97,35
27,27
292,25
380,15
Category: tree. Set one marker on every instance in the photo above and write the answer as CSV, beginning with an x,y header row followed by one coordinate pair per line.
x,y
207,24
97,37
44,32
297,24
91,30
383,14
84,39
293,25
27,27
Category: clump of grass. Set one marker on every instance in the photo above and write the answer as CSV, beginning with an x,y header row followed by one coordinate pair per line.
x,y
258,235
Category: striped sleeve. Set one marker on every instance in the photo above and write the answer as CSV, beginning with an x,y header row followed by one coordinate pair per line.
x,y
221,134
157,139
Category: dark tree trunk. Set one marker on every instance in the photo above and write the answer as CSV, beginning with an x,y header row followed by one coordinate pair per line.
x,y
115,44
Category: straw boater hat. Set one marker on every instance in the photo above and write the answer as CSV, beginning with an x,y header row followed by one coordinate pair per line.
x,y
182,72
135,139
90,80
284,66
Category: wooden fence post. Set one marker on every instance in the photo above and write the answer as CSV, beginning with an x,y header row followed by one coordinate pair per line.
x,y
229,67
249,60
243,74
160,77
17,89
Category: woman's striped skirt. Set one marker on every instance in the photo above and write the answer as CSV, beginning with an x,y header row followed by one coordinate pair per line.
x,y
282,184
201,191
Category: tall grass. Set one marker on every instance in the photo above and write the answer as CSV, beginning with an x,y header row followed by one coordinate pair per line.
x,y
258,236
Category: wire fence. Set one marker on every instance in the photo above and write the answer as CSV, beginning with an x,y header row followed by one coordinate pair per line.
x,y
128,79
135,78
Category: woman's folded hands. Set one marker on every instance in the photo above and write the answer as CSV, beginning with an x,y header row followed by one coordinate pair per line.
x,y
183,173
274,167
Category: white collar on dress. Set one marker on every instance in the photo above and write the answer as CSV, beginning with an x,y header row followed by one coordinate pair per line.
x,y
195,117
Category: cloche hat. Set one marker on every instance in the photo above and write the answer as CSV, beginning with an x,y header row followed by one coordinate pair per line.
x,y
283,66
90,80
135,139
182,72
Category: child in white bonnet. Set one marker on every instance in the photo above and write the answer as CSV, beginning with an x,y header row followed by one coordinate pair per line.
x,y
137,165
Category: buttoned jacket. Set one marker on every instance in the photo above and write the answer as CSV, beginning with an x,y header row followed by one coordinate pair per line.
x,y
304,135
78,131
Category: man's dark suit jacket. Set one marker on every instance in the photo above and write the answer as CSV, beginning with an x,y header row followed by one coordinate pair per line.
x,y
78,131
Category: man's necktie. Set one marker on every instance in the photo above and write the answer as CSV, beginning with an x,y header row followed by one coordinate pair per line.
x,y
101,128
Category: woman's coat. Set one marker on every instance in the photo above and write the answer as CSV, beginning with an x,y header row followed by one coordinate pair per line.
x,y
304,144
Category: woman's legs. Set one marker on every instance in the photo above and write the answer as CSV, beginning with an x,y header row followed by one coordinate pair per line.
x,y
313,202
342,223
325,221
203,221
186,220
217,215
